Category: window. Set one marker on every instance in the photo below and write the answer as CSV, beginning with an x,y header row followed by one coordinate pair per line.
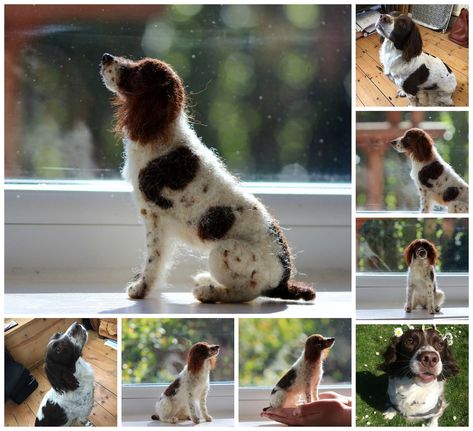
x,y
381,242
155,350
383,175
268,348
258,93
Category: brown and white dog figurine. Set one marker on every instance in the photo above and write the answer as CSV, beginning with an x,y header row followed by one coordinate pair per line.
x,y
178,402
418,363
422,290
304,377
425,79
185,194
435,179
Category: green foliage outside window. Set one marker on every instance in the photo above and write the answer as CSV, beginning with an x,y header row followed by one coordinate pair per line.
x,y
269,87
268,347
155,350
381,243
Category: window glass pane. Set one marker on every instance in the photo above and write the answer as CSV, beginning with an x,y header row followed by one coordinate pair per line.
x,y
383,181
381,243
268,348
155,350
269,85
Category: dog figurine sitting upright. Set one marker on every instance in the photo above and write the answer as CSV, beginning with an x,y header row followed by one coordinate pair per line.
x,y
422,290
304,377
178,401
185,193
425,79
418,363
70,400
434,177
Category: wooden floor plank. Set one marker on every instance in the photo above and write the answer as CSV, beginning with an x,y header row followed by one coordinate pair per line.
x,y
106,399
101,417
375,89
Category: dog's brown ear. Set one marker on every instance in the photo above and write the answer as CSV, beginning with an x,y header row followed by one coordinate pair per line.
x,y
409,253
413,45
432,252
420,144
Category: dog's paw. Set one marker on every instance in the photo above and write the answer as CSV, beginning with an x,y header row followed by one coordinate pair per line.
x,y
431,310
137,289
196,420
209,418
389,414
407,309
205,294
400,93
437,309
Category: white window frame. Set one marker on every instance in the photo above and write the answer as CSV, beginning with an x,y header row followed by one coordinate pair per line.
x,y
252,400
388,288
141,398
94,227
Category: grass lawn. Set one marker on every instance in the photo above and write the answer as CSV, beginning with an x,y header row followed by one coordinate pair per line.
x,y
371,384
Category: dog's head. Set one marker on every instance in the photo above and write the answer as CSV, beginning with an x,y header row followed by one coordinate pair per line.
x,y
149,96
416,143
62,352
402,32
317,346
421,249
423,355
199,354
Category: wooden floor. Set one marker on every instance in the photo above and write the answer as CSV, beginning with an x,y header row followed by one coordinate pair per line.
x,y
373,88
104,362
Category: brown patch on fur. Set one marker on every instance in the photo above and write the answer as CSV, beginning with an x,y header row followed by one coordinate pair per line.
x,y
172,388
175,170
205,189
151,96
410,251
429,172
155,417
450,194
287,380
216,222
253,273
144,212
418,144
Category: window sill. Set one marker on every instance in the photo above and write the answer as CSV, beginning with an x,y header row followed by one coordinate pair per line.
x,y
373,302
138,401
91,227
396,214
327,304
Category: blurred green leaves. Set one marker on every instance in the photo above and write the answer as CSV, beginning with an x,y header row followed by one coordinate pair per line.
x,y
268,347
155,350
381,243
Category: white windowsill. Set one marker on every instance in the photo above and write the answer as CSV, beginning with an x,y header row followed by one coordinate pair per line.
x,y
253,400
381,296
138,402
86,236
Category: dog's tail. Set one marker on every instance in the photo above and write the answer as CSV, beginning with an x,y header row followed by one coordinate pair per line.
x,y
291,290
155,417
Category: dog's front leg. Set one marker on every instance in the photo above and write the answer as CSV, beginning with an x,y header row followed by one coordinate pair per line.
x,y
409,294
203,405
193,411
158,254
430,298
425,202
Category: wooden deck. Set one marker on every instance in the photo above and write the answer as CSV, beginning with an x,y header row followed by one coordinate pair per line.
x,y
104,362
373,88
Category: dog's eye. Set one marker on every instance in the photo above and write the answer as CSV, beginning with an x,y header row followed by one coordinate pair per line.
x,y
410,341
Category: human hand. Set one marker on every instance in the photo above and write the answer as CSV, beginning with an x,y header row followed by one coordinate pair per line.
x,y
331,409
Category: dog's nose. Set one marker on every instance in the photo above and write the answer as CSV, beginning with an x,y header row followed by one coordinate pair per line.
x,y
428,359
107,58
384,18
